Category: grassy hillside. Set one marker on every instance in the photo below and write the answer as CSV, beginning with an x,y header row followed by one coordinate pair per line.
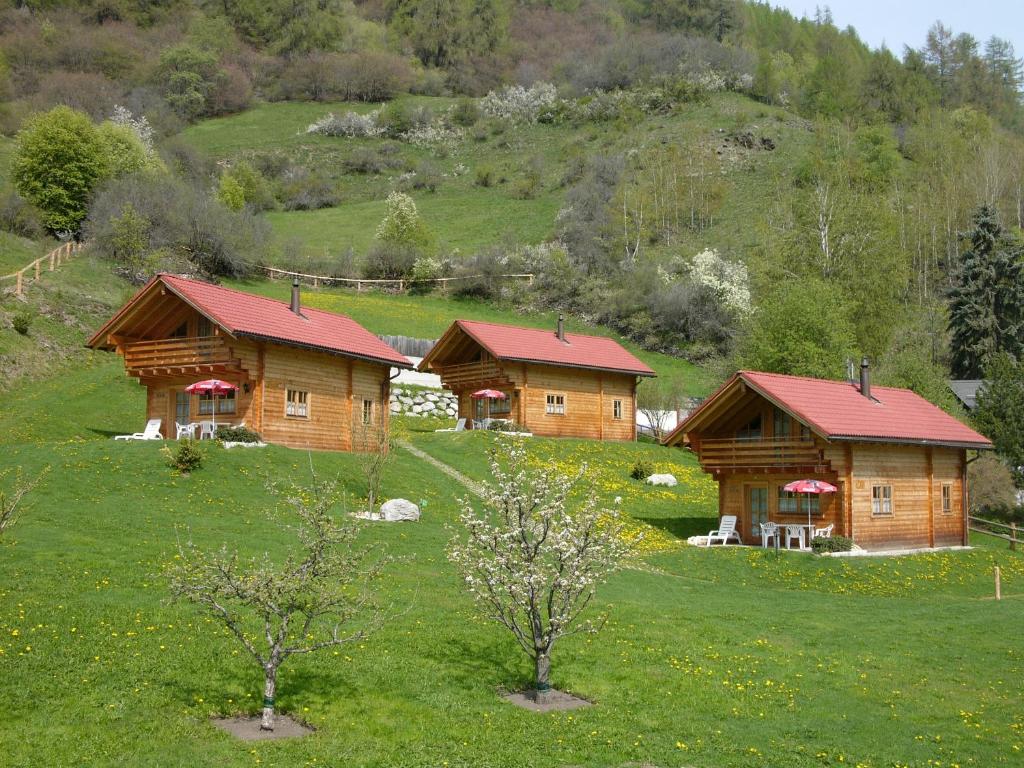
x,y
466,216
710,658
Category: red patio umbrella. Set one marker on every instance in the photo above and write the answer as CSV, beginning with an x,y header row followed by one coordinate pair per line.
x,y
211,387
490,394
809,486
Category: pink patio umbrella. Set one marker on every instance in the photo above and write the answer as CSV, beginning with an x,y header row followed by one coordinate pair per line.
x,y
809,486
489,394
211,387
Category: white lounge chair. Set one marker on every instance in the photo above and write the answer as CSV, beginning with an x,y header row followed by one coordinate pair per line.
x,y
726,530
152,432
769,531
824,533
460,426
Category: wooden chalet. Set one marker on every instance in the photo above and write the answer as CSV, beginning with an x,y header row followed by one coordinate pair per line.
x,y
307,378
899,462
558,384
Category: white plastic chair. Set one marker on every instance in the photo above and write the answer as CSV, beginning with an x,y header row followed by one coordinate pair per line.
x,y
769,531
726,530
185,430
152,432
824,533
206,430
795,532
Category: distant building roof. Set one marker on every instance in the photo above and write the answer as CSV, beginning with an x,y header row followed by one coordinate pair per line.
x,y
966,391
259,317
836,410
533,345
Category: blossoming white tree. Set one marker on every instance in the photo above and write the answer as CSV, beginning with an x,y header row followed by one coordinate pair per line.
x,y
316,598
533,558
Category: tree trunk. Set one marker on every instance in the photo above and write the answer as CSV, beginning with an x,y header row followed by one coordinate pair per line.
x,y
269,688
542,666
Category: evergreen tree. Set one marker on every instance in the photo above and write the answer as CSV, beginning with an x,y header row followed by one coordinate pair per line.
x,y
986,312
1000,411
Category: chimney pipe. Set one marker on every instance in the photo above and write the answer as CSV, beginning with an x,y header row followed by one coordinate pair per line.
x,y
296,306
561,328
865,378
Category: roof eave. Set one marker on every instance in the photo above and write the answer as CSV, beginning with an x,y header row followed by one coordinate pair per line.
x,y
624,371
974,446
328,350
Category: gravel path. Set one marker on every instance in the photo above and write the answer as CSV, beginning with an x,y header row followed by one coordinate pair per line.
x,y
472,486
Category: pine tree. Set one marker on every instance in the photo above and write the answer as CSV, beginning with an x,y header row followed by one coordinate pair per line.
x,y
986,310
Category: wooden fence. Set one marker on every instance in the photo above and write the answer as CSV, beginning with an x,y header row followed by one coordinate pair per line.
x,y
362,283
979,525
33,271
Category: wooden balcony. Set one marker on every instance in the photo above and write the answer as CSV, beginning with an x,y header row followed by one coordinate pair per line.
x,y
465,375
760,455
180,357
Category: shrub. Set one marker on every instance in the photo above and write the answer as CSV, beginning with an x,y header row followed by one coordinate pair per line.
x,y
831,544
185,458
18,216
465,113
364,160
22,321
642,470
529,185
484,176
372,76
518,105
305,190
238,435
350,124
402,224
427,177
390,261
397,118
425,270
256,191
188,76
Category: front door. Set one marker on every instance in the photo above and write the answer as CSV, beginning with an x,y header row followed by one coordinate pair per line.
x,y
757,509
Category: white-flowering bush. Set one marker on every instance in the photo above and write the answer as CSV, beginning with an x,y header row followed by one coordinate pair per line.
x,y
401,223
532,559
350,124
712,81
431,135
728,279
519,105
139,125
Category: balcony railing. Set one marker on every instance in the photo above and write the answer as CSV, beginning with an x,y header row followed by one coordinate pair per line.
x,y
464,375
176,353
717,455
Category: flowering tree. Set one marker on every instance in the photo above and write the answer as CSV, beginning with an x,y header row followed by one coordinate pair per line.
x,y
533,559
401,224
728,279
316,598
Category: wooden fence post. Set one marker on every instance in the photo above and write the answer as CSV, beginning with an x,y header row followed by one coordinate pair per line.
x,y
53,258
17,284
999,587
38,266
1013,537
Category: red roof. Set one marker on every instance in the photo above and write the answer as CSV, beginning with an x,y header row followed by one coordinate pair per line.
x,y
837,410
245,314
510,342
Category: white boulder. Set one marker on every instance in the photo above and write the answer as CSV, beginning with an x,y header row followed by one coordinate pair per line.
x,y
397,510
668,480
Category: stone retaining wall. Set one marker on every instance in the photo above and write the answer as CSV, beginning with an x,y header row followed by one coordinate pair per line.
x,y
415,402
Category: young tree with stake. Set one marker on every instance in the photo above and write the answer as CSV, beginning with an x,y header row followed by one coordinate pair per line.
x,y
533,558
11,500
316,598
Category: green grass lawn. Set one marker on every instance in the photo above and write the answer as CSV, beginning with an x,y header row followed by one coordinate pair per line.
x,y
728,657
17,252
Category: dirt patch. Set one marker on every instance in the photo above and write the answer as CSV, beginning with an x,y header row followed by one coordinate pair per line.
x,y
552,701
248,728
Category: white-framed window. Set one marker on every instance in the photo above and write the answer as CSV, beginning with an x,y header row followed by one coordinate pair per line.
x,y
367,411
226,403
296,403
555,404
947,499
616,409
881,501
